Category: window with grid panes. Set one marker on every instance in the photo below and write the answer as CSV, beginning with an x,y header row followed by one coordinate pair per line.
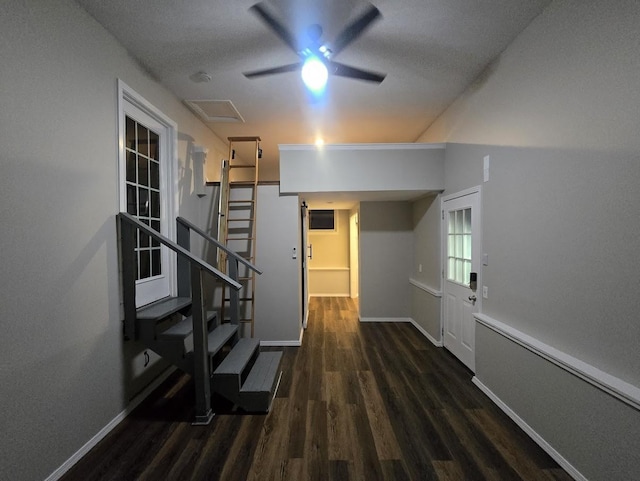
x,y
143,192
459,246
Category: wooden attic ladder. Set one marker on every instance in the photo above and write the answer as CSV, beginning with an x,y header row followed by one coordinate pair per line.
x,y
237,224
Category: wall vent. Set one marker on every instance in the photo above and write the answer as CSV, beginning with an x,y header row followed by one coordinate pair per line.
x,y
215,110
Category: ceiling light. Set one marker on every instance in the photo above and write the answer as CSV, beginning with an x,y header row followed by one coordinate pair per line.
x,y
319,142
314,74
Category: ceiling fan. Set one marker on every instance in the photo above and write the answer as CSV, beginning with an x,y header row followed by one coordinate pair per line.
x,y
312,49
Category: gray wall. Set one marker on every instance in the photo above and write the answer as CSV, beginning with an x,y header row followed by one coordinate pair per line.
x,y
425,306
278,297
64,368
386,256
558,115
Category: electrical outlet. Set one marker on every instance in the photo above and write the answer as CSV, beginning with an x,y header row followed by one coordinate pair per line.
x,y
485,292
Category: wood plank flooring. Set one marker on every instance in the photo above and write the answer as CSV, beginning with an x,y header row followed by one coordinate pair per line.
x,y
356,402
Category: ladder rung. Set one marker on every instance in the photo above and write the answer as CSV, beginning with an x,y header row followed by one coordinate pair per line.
x,y
240,299
241,201
239,238
243,183
245,138
238,220
231,166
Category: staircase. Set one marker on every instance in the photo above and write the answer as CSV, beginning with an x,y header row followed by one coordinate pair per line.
x,y
180,329
237,222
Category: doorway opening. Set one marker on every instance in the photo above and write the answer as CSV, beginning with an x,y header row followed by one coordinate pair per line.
x,y
331,250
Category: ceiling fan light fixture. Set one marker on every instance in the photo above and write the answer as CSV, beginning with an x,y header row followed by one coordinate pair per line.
x,y
315,74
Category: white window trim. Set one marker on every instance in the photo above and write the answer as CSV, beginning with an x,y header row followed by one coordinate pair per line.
x,y
127,95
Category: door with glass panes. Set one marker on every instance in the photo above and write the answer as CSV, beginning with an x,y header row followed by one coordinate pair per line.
x,y
143,180
461,230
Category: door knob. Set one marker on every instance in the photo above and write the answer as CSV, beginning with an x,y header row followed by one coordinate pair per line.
x,y
473,298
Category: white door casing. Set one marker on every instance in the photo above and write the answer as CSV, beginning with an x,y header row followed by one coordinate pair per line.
x,y
156,197
354,261
462,254
304,227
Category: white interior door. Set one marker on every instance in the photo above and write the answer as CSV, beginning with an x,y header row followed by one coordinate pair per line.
x,y
146,193
462,256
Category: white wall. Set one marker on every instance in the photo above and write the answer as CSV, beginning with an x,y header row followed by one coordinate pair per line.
x,y
361,168
386,256
278,315
558,115
65,370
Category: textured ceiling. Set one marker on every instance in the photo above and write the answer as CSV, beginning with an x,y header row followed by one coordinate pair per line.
x,y
431,50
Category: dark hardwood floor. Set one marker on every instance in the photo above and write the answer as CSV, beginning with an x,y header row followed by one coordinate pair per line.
x,y
356,402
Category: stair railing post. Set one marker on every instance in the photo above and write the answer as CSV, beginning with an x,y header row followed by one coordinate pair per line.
x,y
234,295
183,239
129,266
200,350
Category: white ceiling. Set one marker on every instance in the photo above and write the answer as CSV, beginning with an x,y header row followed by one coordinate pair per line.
x,y
431,50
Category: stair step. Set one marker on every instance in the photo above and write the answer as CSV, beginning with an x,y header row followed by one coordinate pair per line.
x,y
219,337
238,358
183,328
163,308
261,384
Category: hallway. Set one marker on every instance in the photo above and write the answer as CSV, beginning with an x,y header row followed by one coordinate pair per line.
x,y
358,401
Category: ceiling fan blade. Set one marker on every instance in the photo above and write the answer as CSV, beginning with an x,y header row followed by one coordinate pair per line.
x,y
271,71
280,30
343,70
355,29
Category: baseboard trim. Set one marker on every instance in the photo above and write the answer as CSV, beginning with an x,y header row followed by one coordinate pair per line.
x,y
334,294
425,333
540,441
385,319
612,385
111,425
291,343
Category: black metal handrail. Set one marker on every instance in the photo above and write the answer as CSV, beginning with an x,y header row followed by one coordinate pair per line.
x,y
219,245
180,250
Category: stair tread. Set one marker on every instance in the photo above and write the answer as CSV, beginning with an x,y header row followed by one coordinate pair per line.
x,y
238,358
219,336
183,328
263,374
163,308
